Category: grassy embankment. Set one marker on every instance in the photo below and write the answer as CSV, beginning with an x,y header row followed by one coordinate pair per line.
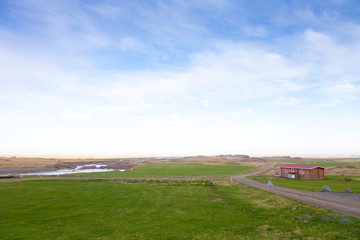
x,y
107,209
168,170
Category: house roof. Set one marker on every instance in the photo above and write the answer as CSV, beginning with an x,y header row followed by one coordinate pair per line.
x,y
300,166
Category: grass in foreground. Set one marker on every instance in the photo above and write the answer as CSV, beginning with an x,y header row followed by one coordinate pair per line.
x,y
336,183
106,209
168,170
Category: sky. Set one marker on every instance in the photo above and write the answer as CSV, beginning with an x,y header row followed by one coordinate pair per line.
x,y
172,77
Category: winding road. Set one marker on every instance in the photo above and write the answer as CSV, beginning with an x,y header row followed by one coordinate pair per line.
x,y
346,206
330,202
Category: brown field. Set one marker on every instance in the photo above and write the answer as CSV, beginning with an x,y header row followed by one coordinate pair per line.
x,y
16,165
13,164
343,170
351,170
223,160
24,162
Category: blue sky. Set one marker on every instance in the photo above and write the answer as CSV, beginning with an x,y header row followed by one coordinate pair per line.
x,y
179,77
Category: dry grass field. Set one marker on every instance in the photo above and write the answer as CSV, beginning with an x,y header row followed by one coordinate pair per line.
x,y
343,170
334,166
17,162
25,162
334,170
33,162
10,165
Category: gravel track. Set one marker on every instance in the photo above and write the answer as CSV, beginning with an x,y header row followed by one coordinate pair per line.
x,y
327,201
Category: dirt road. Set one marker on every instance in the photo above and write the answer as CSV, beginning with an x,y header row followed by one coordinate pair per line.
x,y
330,202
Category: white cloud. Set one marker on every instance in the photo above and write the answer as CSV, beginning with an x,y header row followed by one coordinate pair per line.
x,y
344,88
177,120
285,101
75,116
120,110
143,118
331,66
269,119
328,56
244,72
231,72
329,103
247,110
341,89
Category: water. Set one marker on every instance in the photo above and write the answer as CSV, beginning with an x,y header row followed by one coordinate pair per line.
x,y
77,169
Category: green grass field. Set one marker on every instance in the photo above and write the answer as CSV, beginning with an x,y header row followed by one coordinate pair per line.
x,y
107,209
168,170
336,183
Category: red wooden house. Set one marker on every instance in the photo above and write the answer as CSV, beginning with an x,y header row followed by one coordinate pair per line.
x,y
302,171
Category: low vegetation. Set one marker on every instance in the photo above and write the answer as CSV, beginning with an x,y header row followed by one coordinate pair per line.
x,y
113,209
336,183
335,167
169,170
326,163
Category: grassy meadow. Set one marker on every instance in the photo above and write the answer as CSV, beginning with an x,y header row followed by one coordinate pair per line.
x,y
339,175
168,170
113,209
336,183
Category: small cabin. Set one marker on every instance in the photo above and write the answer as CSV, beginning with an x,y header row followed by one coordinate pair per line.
x,y
301,171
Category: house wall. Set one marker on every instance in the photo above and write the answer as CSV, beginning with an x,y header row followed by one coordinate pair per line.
x,y
316,173
283,172
286,171
305,175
